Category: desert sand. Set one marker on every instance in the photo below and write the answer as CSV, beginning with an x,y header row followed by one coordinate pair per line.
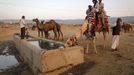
x,y
105,62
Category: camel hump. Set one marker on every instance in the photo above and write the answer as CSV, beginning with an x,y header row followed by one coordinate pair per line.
x,y
52,20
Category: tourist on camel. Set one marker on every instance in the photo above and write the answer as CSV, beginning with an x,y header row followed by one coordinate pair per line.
x,y
90,32
96,10
89,12
102,15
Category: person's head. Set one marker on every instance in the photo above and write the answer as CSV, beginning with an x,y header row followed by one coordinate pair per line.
x,y
119,20
100,1
90,7
23,17
94,1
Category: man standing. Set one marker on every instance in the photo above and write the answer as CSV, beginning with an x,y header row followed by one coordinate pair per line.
x,y
116,34
22,26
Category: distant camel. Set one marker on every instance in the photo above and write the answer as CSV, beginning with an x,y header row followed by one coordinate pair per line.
x,y
127,27
39,27
58,28
48,26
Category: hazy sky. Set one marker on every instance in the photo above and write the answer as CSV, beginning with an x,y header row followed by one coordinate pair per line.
x,y
60,9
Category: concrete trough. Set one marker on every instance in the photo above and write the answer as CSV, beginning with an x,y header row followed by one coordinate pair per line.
x,y
45,56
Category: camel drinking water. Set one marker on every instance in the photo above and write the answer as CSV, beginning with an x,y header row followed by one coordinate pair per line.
x,y
72,41
86,26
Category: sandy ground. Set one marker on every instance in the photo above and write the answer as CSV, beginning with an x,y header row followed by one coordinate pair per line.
x,y
105,62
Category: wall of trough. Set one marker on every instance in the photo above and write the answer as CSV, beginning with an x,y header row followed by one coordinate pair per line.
x,y
46,61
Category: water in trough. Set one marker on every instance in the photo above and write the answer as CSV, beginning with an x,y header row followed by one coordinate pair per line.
x,y
7,62
10,61
47,45
43,44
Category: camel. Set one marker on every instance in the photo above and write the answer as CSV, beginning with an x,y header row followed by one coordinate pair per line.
x,y
48,26
52,25
85,31
39,27
72,41
127,27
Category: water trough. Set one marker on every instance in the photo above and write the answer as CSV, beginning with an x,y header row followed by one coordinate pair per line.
x,y
46,56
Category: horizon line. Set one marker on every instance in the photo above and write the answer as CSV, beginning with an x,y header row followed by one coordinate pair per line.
x,y
68,19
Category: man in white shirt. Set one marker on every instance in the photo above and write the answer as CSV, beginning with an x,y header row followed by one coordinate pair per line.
x,y
22,26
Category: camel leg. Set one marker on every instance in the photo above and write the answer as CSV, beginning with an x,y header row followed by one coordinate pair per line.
x,y
55,34
58,37
124,30
41,33
104,44
61,35
131,28
87,48
94,45
38,33
44,33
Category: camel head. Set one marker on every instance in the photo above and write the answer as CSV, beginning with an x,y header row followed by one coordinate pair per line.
x,y
72,41
37,21
42,22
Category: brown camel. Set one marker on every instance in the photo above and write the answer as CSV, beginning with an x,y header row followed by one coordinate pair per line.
x,y
52,25
48,26
127,27
58,29
39,27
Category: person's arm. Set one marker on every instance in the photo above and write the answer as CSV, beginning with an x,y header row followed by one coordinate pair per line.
x,y
87,11
97,7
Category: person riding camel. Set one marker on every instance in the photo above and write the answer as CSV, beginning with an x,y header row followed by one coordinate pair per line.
x,y
91,22
89,12
96,10
102,15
